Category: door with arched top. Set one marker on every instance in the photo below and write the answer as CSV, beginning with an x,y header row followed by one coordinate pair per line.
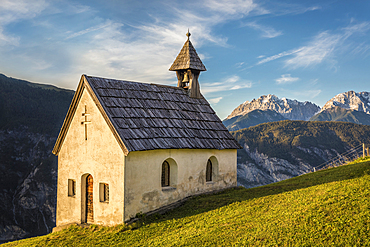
x,y
89,199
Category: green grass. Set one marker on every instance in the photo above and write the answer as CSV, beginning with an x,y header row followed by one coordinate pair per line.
x,y
326,208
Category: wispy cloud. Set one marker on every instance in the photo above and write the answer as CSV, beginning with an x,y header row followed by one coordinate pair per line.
x,y
361,49
15,10
89,30
215,100
112,52
274,57
279,8
310,94
286,79
266,32
110,47
302,95
321,48
232,83
239,65
236,8
8,39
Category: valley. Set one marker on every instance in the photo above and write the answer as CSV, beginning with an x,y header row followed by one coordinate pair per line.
x,y
275,147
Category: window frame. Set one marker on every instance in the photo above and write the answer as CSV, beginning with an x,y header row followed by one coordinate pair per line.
x,y
209,171
165,175
104,192
71,187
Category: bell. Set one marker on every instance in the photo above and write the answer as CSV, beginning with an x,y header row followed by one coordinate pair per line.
x,y
186,78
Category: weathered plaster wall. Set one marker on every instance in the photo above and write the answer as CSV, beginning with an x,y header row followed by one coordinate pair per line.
x,y
99,155
143,191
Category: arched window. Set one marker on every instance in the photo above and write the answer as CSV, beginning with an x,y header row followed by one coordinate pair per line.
x,y
209,171
165,174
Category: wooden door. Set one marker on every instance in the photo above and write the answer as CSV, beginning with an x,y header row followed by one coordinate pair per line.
x,y
89,200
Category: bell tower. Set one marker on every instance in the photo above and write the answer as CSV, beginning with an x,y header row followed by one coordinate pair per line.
x,y
188,67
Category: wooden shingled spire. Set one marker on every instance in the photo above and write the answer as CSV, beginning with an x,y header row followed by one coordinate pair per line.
x,y
188,67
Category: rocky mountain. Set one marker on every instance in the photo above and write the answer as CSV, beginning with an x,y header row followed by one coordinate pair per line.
x,y
279,150
337,113
30,118
289,109
350,101
252,118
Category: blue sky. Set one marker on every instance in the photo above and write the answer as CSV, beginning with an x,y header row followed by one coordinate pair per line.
x,y
304,50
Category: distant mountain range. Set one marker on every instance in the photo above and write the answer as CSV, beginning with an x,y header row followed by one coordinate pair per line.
x,y
289,109
350,101
346,107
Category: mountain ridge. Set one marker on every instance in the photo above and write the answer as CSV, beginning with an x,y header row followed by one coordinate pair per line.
x,y
337,113
252,118
350,100
289,109
347,107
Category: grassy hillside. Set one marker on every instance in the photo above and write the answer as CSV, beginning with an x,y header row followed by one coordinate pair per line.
x,y
252,118
285,139
329,207
339,114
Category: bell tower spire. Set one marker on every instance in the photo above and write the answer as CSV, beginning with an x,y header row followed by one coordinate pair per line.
x,y
188,67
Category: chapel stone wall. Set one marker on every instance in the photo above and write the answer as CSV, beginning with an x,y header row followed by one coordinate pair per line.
x,y
143,190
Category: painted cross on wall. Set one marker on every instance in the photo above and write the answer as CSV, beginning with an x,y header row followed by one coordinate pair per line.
x,y
85,122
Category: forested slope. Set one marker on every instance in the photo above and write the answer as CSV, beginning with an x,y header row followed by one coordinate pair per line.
x,y
30,118
280,150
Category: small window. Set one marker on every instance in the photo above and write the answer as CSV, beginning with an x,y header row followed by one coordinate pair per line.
x,y
71,187
165,174
209,171
104,192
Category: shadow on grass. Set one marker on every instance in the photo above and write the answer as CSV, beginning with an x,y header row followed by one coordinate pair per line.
x,y
205,203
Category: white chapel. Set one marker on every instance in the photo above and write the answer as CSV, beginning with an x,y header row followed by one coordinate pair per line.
x,y
127,147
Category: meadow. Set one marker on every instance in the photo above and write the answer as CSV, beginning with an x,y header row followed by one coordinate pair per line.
x,y
325,208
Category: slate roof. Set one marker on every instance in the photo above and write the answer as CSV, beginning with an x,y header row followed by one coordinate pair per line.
x,y
188,59
151,116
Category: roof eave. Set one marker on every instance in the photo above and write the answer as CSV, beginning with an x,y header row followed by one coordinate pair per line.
x,y
174,68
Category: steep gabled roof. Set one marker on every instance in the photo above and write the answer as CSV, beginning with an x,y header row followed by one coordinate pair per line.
x,y
188,59
150,116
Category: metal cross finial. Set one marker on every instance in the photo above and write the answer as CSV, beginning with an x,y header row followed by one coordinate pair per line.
x,y
188,34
